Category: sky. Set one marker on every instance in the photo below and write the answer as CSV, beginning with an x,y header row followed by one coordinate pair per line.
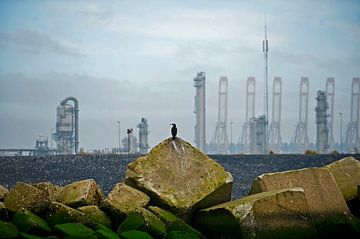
x,y
125,60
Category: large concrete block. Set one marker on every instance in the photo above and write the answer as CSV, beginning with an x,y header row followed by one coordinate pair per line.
x,y
81,193
321,191
346,172
25,196
3,192
273,214
180,178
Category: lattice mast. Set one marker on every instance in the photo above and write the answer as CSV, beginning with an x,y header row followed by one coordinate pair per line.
x,y
266,96
221,138
275,140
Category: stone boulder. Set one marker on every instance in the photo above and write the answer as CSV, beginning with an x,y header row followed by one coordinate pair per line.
x,y
347,176
81,193
321,191
29,222
3,212
25,196
3,192
180,178
59,213
122,200
93,216
273,214
52,190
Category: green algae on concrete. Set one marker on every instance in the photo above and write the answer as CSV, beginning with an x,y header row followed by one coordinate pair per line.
x,y
321,191
75,230
122,200
179,177
3,192
23,195
181,235
135,235
59,214
8,230
93,216
346,172
272,214
144,220
27,221
81,193
52,190
104,232
172,222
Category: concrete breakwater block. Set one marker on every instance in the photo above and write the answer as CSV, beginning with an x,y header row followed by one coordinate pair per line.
x,y
272,214
180,178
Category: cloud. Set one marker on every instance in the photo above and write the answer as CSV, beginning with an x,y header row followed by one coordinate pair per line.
x,y
35,42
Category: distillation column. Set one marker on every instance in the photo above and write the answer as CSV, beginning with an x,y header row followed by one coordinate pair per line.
x,y
352,133
330,96
249,113
143,136
301,139
322,131
199,84
221,138
275,134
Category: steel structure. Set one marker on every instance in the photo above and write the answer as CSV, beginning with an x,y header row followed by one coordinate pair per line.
x,y
258,135
330,96
67,127
275,140
249,113
221,140
200,126
143,136
300,138
352,140
322,131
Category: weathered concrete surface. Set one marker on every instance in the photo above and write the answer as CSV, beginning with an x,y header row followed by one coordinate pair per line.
x,y
322,193
59,213
3,192
29,222
347,176
93,216
273,214
180,178
81,193
25,196
52,190
122,200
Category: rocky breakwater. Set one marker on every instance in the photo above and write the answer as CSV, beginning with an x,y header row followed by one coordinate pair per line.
x,y
177,192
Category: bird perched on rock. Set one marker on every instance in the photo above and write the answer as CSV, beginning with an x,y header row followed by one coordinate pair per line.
x,y
173,131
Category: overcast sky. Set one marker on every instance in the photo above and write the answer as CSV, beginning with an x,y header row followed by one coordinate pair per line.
x,y
125,60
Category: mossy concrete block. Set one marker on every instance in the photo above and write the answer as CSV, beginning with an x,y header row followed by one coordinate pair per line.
x,y
27,221
93,216
4,215
273,214
346,172
3,192
135,235
180,178
8,230
52,190
181,235
122,200
75,230
104,232
59,214
81,193
23,195
322,193
144,220
172,222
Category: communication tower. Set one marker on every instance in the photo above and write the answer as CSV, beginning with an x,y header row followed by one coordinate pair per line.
x,y
249,113
143,136
266,98
352,133
322,131
221,138
67,127
300,138
275,126
199,84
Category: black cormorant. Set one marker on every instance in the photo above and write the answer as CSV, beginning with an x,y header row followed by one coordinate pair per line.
x,y
173,131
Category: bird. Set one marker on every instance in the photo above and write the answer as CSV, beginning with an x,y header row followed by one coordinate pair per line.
x,y
173,131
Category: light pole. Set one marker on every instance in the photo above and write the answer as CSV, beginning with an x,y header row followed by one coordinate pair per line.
x,y
341,138
119,137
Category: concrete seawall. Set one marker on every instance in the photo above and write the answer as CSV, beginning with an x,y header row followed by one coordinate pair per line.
x,y
107,170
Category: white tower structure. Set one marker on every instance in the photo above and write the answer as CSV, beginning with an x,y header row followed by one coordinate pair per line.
x,y
200,126
143,136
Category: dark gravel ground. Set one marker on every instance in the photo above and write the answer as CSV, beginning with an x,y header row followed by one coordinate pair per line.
x,y
107,170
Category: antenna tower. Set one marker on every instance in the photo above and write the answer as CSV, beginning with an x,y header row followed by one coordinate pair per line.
x,y
266,50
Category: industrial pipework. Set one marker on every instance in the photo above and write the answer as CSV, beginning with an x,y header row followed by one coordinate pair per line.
x,y
76,115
